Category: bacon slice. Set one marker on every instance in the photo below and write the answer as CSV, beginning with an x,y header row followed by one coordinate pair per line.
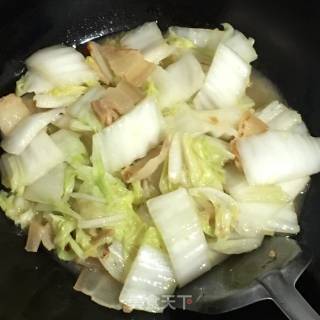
x,y
116,102
128,64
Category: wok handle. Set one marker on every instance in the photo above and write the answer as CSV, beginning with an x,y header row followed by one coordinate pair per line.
x,y
287,297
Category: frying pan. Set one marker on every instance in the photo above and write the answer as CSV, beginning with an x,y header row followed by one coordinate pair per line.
x,y
36,287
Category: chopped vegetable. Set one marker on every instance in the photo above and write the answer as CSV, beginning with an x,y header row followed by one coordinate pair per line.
x,y
151,278
100,286
226,80
149,41
194,161
25,131
179,82
276,156
134,135
188,253
35,161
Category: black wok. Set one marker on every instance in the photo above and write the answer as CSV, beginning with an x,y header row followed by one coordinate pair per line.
x,y
35,287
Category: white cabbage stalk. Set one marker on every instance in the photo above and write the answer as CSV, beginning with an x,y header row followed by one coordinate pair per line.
x,y
266,218
49,188
82,110
27,129
114,262
35,161
150,279
218,122
176,218
175,160
236,244
32,82
131,137
237,186
279,117
242,46
276,156
103,222
61,66
51,100
203,38
71,146
226,81
295,187
149,41
180,81
100,286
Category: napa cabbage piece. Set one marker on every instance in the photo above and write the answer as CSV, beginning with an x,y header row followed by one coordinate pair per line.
x,y
149,41
49,188
228,75
151,276
59,97
82,111
178,82
103,197
32,82
256,218
194,161
25,131
58,76
41,155
280,117
220,123
238,187
71,242
277,156
235,244
131,137
183,236
17,208
202,38
72,147
219,215
61,66
201,42
100,286
294,187
115,261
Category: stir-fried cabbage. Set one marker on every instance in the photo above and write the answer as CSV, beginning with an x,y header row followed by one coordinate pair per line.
x,y
159,156
149,41
188,254
131,137
277,156
194,161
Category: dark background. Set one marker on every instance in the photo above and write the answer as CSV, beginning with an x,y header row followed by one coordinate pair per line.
x,y
34,287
